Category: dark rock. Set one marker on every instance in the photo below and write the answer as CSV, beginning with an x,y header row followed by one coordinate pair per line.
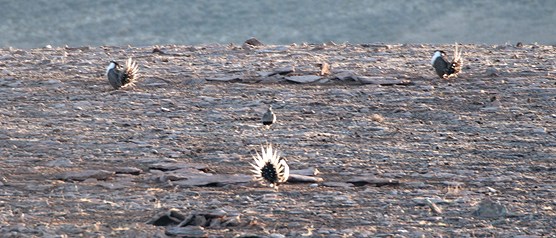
x,y
347,75
253,42
337,184
379,182
283,71
170,217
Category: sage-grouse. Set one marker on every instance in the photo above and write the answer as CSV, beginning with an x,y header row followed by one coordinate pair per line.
x,y
119,76
444,67
268,117
270,167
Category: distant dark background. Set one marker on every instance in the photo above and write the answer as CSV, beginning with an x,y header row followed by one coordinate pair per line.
x,y
36,23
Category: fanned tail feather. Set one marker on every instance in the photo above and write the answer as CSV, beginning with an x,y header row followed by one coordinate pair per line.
x,y
457,54
131,71
457,62
269,167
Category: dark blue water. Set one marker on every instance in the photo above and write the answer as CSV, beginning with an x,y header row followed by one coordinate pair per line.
x,y
36,23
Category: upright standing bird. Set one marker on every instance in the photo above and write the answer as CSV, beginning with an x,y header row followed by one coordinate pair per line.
x,y
445,68
269,117
270,167
119,77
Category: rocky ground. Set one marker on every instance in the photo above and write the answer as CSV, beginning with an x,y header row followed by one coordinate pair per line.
x,y
401,153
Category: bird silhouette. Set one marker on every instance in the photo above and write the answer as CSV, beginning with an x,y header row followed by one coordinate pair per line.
x,y
119,76
268,117
444,67
270,167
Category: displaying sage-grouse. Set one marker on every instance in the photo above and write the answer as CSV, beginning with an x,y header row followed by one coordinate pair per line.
x,y
270,167
268,117
122,77
445,68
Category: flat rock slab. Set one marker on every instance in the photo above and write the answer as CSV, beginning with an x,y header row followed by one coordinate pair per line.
x,y
187,232
168,166
361,181
86,174
337,184
213,180
307,172
303,78
383,81
226,79
298,178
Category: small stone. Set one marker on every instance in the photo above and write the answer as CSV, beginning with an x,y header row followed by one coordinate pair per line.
x,y
157,50
20,52
378,118
491,72
492,190
199,220
434,208
490,209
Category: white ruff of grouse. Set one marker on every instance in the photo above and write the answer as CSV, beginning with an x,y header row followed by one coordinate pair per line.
x,y
118,77
444,67
270,167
